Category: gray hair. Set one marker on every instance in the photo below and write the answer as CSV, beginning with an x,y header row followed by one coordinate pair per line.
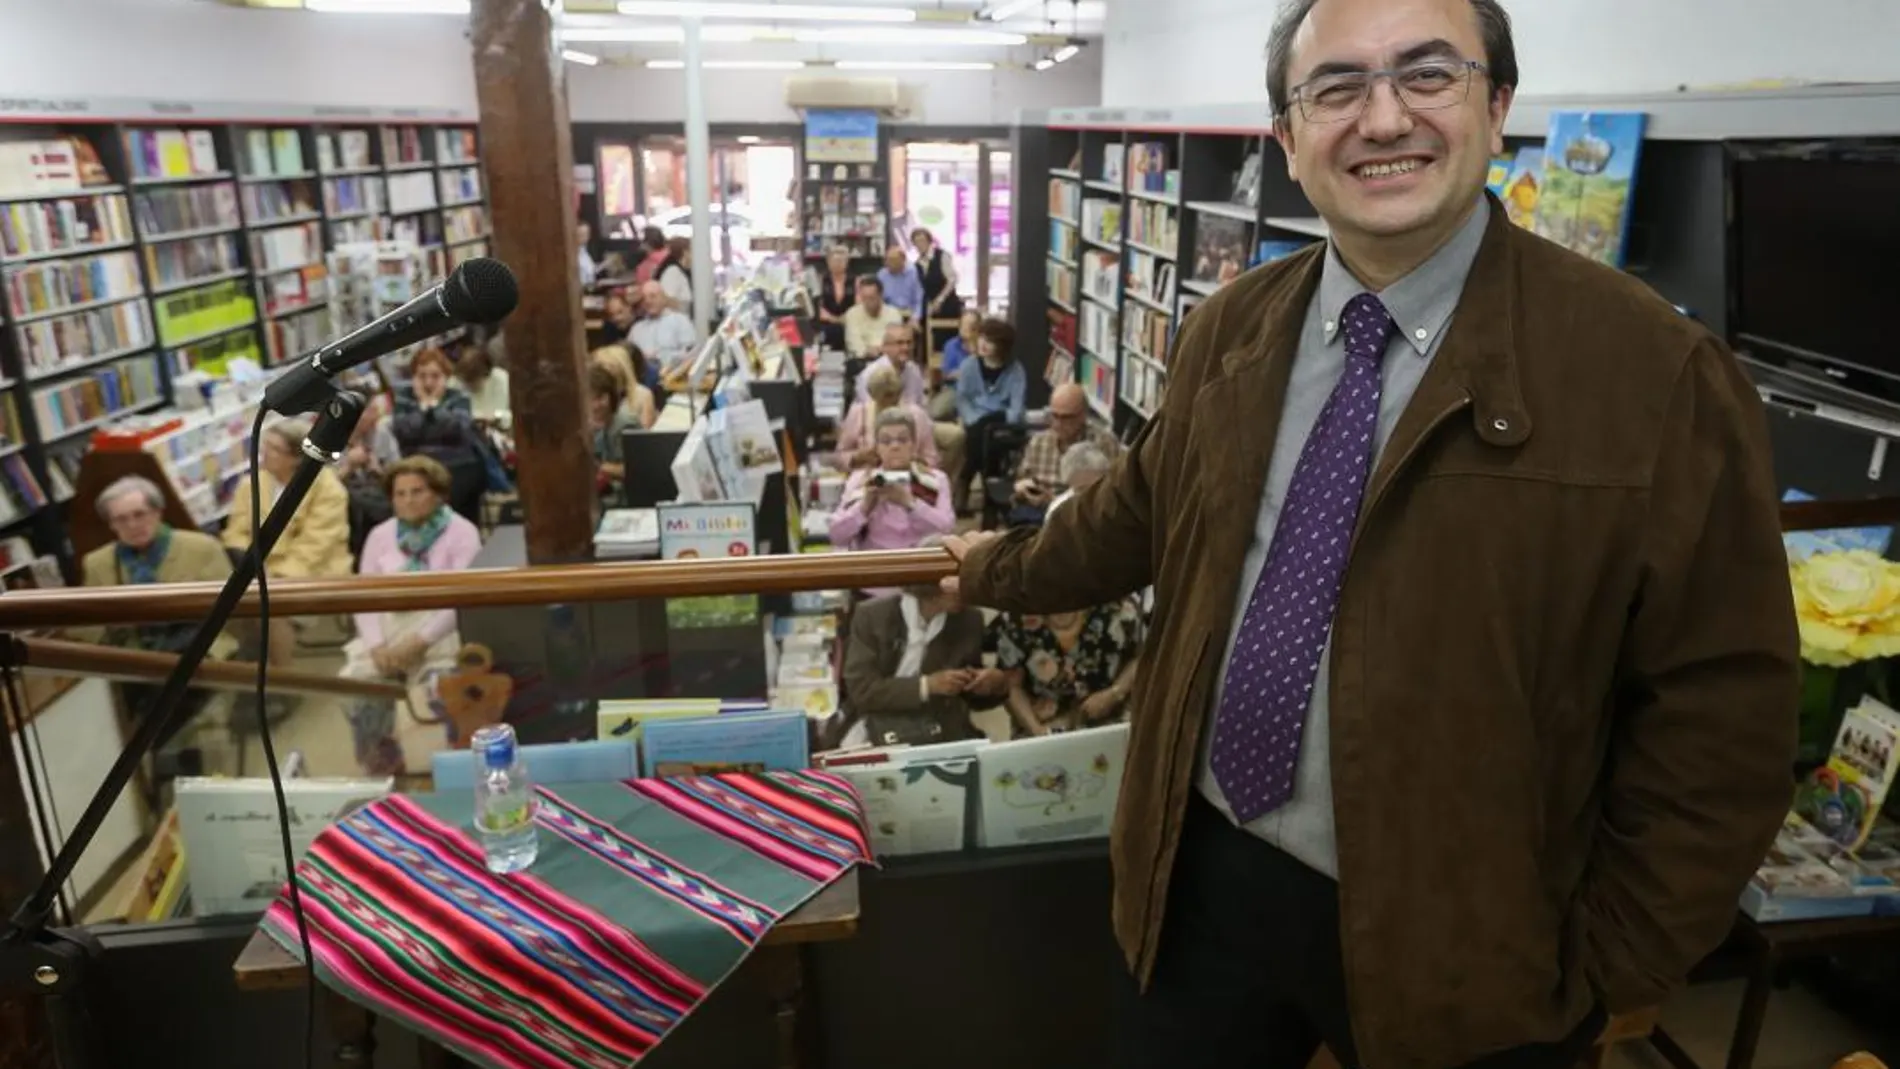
x,y
291,432
128,484
1082,457
1494,25
897,417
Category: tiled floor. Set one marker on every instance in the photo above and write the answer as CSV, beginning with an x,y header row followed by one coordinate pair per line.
x,y
1802,1031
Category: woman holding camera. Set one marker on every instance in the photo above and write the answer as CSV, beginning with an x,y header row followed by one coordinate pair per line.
x,y
897,502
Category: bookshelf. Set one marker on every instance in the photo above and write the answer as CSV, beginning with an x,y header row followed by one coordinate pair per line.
x,y
849,205
1141,225
139,254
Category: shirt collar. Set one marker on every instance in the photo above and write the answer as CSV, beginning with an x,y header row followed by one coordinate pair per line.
x,y
1422,302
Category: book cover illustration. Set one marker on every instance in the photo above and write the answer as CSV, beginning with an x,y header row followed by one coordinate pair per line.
x,y
232,850
1053,788
1804,544
709,530
1842,798
1499,174
1589,176
1220,248
731,742
1522,185
914,807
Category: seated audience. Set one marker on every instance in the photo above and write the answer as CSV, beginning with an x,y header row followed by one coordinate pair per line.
x,y
617,312
652,254
486,386
412,647
1082,467
372,448
857,434
913,669
1068,670
675,276
897,350
903,290
662,333
434,419
1039,476
629,368
898,502
317,541
960,347
867,321
990,394
145,549
836,294
609,417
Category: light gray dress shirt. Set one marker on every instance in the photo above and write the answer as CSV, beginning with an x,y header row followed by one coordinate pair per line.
x,y
1421,304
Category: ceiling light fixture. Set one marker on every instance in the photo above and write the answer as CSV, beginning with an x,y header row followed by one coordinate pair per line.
x,y
909,65
1066,52
668,34
387,7
729,64
1000,11
879,35
585,59
1045,63
690,9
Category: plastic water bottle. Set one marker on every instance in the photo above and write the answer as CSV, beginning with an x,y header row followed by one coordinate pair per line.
x,y
504,800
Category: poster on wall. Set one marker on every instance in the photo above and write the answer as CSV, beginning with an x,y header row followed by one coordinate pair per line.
x,y
841,137
615,181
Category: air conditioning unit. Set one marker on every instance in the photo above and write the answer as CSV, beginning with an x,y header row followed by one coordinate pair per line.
x,y
885,95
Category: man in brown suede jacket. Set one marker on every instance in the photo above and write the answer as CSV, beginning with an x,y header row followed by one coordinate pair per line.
x,y
1469,703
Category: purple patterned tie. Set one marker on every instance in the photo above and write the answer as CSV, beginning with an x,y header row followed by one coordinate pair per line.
x,y
1283,632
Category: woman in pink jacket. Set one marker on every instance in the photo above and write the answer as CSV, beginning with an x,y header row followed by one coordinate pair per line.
x,y
895,503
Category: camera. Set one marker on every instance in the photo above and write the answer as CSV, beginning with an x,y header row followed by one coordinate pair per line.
x,y
887,478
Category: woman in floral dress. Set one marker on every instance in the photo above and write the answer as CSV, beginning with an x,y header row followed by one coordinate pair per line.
x,y
1069,670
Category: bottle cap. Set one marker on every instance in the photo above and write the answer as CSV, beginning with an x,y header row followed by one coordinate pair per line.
x,y
495,744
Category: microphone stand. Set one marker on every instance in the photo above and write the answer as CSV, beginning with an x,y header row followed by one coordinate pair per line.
x,y
56,963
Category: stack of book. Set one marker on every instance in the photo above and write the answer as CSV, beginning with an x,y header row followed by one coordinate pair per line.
x,y
702,736
804,650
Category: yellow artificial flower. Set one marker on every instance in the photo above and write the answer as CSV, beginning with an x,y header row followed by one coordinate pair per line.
x,y
1847,605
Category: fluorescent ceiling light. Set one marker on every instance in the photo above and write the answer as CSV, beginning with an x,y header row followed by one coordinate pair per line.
x,y
667,34
585,59
729,64
909,65
388,7
880,35
1066,52
750,139
1045,63
687,9
999,11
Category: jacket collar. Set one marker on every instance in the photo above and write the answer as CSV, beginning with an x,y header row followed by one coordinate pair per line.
x,y
1478,360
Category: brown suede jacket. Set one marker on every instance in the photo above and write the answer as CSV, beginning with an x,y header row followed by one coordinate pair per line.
x,y
1564,661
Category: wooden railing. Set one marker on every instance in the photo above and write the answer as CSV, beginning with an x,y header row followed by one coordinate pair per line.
x,y
45,656
590,582
482,588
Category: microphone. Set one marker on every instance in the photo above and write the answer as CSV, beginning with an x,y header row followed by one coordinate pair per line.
x,y
477,291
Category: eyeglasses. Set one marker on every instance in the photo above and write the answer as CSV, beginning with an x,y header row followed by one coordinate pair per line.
x,y
1429,86
894,440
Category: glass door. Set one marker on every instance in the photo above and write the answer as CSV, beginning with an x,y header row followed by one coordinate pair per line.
x,y
959,191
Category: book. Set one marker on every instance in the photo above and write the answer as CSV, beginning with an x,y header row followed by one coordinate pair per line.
x,y
1220,248
1522,186
586,761
730,742
623,718
232,849
709,530
1053,788
1589,177
912,805
1842,798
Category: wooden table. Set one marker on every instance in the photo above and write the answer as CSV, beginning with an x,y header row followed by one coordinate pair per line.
x,y
830,915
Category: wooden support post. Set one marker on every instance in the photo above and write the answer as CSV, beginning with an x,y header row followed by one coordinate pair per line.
x,y
527,149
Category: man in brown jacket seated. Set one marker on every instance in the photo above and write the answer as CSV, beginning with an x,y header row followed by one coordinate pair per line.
x,y
914,669
1469,703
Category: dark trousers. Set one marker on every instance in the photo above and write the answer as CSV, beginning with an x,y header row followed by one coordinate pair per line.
x,y
1249,973
976,447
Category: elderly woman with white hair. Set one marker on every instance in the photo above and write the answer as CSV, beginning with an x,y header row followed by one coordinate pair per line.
x,y
1081,467
317,541
145,549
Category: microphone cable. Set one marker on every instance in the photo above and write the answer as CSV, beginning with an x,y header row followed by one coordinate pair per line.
x,y
270,750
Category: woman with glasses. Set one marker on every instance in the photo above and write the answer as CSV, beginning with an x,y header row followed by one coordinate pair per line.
x,y
895,502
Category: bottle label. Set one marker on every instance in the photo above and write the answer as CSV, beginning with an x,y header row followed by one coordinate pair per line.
x,y
506,818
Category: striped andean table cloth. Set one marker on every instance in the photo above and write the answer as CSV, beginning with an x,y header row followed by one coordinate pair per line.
x,y
644,896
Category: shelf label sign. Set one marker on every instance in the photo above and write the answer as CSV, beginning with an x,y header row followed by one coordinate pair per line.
x,y
841,137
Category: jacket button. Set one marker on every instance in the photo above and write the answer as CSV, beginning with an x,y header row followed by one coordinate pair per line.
x,y
1500,424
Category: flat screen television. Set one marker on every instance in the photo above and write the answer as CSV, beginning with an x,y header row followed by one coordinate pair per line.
x,y
1816,259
